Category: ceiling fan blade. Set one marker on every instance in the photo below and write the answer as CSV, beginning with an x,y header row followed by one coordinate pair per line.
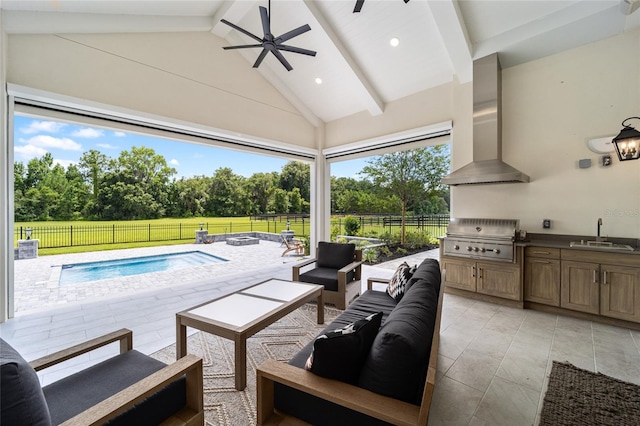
x,y
293,33
296,50
282,60
358,7
263,54
266,25
242,30
242,46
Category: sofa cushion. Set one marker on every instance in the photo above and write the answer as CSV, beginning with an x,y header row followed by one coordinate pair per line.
x,y
72,395
398,283
339,354
428,271
335,255
21,398
397,362
328,277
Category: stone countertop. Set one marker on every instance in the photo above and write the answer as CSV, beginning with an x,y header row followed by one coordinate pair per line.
x,y
563,241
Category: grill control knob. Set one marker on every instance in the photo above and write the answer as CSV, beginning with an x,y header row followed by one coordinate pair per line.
x,y
496,251
456,247
469,248
476,249
482,250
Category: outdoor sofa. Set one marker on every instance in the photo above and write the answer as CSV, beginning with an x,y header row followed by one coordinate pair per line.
x,y
390,383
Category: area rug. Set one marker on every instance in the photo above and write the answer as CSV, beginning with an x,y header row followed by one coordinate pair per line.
x,y
224,405
582,398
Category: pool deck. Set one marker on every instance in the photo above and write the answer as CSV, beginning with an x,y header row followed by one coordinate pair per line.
x,y
50,317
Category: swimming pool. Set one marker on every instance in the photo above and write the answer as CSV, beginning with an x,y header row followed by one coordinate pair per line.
x,y
92,271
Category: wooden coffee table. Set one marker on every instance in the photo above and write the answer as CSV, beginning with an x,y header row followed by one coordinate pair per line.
x,y
242,314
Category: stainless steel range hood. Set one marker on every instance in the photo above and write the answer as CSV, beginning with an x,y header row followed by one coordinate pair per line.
x,y
487,166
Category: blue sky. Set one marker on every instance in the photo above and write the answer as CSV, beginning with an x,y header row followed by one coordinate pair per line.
x,y
67,142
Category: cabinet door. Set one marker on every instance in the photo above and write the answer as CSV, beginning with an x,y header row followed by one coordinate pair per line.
x,y
620,292
542,281
580,288
499,280
460,274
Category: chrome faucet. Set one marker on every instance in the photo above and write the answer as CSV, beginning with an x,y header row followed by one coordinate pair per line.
x,y
599,225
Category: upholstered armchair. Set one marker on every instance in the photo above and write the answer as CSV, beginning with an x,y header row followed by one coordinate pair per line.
x,y
338,267
129,388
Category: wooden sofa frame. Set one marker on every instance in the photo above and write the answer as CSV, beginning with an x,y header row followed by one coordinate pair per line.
x,y
191,366
346,291
378,406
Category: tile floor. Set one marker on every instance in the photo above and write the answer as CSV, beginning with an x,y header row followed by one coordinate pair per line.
x,y
493,360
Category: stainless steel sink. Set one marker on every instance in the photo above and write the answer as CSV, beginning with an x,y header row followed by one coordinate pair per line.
x,y
604,245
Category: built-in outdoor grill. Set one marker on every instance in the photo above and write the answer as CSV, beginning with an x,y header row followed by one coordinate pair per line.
x,y
488,239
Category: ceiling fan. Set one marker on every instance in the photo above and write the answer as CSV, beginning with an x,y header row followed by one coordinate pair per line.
x,y
360,3
269,43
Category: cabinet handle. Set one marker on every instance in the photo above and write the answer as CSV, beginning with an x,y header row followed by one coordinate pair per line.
x,y
540,261
605,278
595,276
541,252
473,271
480,273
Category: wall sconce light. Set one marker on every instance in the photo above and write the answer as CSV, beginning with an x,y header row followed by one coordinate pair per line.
x,y
28,233
201,225
627,143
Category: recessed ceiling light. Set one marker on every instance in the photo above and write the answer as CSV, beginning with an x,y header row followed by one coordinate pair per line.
x,y
394,41
318,80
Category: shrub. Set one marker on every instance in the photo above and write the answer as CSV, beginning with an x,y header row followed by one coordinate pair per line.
x,y
401,250
417,239
335,230
385,251
351,225
369,255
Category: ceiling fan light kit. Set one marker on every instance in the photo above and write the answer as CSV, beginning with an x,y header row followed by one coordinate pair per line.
x,y
269,43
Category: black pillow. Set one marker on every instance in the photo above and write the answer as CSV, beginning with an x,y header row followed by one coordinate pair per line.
x,y
398,283
335,255
339,354
21,398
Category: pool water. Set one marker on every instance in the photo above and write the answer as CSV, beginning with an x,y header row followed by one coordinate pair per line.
x,y
92,271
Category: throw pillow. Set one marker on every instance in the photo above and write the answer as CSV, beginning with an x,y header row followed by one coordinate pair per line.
x,y
340,354
398,284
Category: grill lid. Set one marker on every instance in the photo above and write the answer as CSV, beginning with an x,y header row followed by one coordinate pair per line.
x,y
483,228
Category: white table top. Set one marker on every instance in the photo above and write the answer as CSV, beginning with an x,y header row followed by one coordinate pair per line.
x,y
236,309
279,290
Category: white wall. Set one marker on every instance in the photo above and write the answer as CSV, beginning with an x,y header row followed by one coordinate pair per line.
x,y
421,109
182,76
551,108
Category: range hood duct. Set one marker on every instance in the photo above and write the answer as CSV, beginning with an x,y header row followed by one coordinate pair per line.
x,y
487,165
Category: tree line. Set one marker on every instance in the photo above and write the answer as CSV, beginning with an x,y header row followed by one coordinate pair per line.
x,y
139,184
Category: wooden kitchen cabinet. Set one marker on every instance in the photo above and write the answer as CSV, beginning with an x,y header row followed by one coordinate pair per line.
x,y
620,292
542,275
460,274
580,286
607,285
500,280
491,278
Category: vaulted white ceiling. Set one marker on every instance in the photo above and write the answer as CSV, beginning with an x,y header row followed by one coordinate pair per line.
x,y
359,69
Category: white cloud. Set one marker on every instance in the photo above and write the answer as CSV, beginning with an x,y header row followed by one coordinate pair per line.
x,y
64,163
45,141
42,126
119,134
174,162
88,133
29,151
106,146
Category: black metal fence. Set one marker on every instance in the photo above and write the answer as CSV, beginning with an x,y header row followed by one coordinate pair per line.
x,y
436,225
55,236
